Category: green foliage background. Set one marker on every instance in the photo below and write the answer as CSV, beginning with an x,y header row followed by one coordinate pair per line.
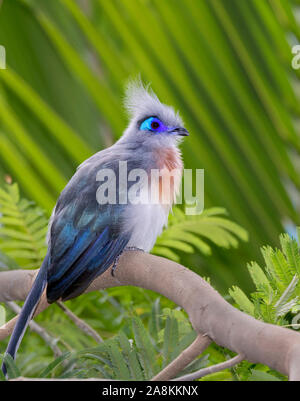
x,y
225,64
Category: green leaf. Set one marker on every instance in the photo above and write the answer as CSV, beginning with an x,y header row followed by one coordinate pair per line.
x,y
11,367
242,300
165,252
199,363
23,232
7,263
53,365
184,342
291,251
120,368
259,278
282,306
155,323
171,339
277,265
183,233
131,356
260,376
70,140
146,351
2,315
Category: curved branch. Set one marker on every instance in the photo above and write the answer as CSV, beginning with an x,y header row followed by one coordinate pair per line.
x,y
211,369
209,313
185,358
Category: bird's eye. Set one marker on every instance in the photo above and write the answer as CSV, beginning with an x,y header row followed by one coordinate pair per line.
x,y
152,124
155,124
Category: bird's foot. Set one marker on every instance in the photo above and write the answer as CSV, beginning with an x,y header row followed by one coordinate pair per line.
x,y
133,248
115,266
128,248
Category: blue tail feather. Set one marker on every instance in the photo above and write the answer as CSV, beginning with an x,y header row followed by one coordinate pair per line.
x,y
27,312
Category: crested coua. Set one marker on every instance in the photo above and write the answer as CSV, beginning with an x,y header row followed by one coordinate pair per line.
x,y
86,234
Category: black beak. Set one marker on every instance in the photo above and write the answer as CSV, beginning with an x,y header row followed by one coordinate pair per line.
x,y
181,131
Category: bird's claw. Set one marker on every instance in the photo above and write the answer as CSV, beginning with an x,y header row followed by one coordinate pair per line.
x,y
133,248
115,266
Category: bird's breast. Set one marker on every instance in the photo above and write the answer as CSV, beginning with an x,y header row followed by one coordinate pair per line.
x,y
149,218
147,222
169,165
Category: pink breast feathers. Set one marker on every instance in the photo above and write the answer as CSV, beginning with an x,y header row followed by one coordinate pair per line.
x,y
169,164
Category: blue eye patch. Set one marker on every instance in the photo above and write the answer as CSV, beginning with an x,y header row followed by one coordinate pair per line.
x,y
153,124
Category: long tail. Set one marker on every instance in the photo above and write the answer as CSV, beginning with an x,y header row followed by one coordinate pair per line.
x,y
27,312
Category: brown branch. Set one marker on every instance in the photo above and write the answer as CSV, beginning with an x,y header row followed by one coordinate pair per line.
x,y
185,358
8,327
81,324
211,369
209,313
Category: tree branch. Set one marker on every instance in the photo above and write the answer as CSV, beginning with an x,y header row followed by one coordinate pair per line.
x,y
209,313
81,324
212,369
185,358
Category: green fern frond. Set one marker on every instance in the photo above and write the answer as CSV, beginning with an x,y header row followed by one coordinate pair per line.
x,y
171,339
291,251
120,368
260,279
146,350
165,252
131,356
23,229
277,266
242,300
277,285
187,233
282,305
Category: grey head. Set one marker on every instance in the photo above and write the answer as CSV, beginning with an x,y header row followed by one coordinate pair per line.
x,y
151,122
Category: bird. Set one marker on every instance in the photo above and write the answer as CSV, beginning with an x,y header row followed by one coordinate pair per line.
x,y
87,235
